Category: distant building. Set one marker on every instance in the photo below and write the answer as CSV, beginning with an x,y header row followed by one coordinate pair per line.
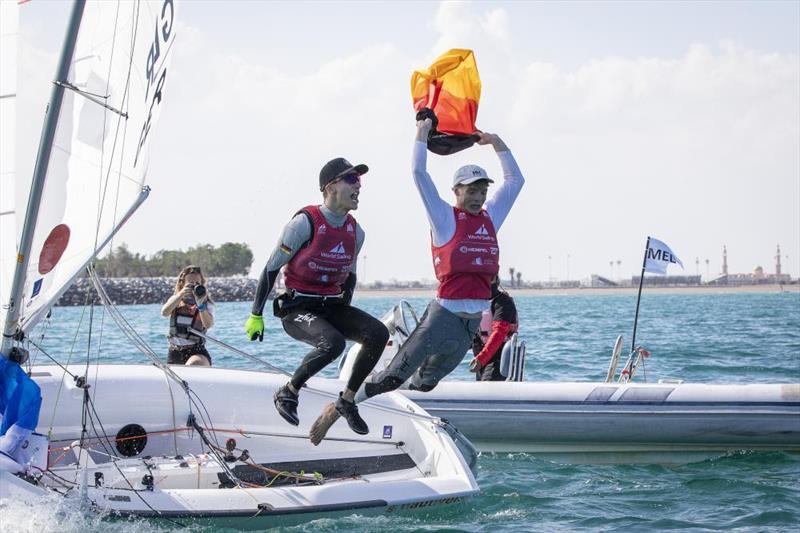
x,y
667,281
757,277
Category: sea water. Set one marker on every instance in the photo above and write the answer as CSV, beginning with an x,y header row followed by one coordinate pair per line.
x,y
708,338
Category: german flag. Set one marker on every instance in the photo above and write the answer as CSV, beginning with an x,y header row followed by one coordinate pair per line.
x,y
451,88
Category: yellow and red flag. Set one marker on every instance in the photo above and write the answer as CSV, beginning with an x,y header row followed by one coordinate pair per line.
x,y
451,88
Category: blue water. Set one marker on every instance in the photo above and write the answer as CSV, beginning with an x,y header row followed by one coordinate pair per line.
x,y
711,338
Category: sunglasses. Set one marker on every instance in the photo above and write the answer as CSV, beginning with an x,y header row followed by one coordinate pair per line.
x,y
351,179
192,270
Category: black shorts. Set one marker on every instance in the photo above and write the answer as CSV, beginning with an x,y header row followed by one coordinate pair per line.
x,y
179,356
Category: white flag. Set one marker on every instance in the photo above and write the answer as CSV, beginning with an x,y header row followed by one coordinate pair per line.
x,y
658,257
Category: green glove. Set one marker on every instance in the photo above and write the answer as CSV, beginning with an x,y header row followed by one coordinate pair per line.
x,y
254,327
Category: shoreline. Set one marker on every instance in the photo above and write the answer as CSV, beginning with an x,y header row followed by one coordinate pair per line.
x,y
591,291
132,291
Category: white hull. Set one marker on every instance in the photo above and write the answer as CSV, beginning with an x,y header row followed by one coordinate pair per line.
x,y
406,463
609,422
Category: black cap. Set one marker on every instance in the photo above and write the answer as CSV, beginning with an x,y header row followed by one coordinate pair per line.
x,y
336,168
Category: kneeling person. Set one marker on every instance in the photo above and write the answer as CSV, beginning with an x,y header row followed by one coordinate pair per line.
x,y
190,307
319,247
488,345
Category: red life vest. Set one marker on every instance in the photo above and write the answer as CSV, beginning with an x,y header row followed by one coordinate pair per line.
x,y
466,264
322,266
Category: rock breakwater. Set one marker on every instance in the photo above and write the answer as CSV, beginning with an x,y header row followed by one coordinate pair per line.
x,y
129,291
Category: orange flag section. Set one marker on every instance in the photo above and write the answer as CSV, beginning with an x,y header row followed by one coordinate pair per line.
x,y
451,87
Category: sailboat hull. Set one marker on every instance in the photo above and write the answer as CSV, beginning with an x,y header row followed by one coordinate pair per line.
x,y
407,463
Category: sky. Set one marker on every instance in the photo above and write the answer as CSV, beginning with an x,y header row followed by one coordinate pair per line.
x,y
679,120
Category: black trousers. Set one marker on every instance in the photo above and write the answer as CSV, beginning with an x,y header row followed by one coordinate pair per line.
x,y
327,327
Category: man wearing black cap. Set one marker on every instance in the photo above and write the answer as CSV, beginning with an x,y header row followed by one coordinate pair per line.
x,y
318,250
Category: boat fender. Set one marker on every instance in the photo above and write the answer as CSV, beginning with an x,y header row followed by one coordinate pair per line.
x,y
464,445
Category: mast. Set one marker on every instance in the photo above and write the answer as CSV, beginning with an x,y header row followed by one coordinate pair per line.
x,y
11,327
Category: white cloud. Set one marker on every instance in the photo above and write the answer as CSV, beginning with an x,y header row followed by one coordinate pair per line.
x,y
699,149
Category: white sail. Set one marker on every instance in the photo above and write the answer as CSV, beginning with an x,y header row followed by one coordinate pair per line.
x,y
96,174
9,20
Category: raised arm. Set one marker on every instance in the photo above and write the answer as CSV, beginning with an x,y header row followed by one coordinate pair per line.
x,y
440,213
500,204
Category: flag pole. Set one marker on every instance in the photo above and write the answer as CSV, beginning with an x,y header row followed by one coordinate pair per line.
x,y
639,296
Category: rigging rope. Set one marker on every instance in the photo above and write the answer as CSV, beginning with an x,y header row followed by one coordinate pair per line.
x,y
332,395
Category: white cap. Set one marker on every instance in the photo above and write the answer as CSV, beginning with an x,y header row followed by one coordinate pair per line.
x,y
470,174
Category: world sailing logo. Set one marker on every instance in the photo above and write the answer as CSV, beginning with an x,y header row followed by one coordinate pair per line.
x,y
337,252
481,234
155,66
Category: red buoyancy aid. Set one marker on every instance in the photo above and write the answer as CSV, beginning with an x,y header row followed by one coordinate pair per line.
x,y
466,264
322,266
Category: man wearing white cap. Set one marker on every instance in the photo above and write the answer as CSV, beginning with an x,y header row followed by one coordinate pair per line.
x,y
466,258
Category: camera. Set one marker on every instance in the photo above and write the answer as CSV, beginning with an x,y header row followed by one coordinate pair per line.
x,y
198,291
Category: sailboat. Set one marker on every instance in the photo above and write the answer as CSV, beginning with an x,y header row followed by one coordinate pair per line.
x,y
170,443
613,421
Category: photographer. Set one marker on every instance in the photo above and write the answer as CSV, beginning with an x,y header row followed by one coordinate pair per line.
x,y
190,307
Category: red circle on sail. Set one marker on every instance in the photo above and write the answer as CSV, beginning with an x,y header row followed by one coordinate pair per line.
x,y
53,248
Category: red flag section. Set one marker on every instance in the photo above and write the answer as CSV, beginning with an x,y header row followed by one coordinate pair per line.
x,y
451,89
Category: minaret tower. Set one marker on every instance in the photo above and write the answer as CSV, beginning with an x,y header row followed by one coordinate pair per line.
x,y
724,260
778,262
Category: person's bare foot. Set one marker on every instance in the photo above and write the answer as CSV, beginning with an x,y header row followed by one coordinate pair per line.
x,y
323,423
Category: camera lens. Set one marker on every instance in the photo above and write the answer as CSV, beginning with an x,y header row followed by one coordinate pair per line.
x,y
199,291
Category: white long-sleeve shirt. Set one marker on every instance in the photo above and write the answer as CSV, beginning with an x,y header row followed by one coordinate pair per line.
x,y
442,219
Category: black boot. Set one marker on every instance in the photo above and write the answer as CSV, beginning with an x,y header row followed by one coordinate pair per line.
x,y
286,404
349,411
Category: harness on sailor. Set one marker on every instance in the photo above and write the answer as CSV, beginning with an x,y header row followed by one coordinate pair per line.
x,y
184,318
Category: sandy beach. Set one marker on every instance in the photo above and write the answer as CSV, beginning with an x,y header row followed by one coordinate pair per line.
x,y
429,293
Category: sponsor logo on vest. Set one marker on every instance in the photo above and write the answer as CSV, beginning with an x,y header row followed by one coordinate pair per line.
x,y
322,228
481,234
493,250
477,261
337,253
349,228
312,265
473,249
324,278
437,260
462,216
